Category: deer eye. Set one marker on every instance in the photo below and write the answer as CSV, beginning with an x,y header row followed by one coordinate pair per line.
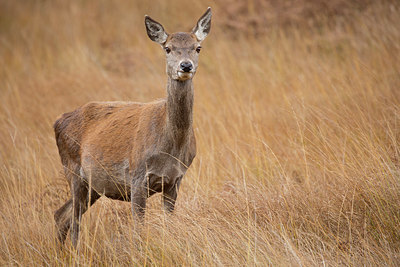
x,y
167,49
198,49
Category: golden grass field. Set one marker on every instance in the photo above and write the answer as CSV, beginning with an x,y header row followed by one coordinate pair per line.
x,y
297,126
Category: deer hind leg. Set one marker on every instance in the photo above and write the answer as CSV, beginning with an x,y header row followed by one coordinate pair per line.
x,y
63,220
80,204
63,215
71,212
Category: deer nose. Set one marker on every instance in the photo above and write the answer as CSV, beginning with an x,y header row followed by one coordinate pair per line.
x,y
186,66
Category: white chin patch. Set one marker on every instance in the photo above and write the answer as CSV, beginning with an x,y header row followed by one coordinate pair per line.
x,y
185,75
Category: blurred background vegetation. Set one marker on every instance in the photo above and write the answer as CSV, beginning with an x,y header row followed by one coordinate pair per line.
x,y
296,117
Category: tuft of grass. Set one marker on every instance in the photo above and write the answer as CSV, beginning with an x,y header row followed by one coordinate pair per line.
x,y
297,129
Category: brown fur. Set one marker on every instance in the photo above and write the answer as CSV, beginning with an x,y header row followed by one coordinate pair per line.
x,y
129,151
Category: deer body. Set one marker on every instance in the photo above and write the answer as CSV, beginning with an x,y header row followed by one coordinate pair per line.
x,y
130,151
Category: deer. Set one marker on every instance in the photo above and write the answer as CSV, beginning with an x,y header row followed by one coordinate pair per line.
x,y
127,150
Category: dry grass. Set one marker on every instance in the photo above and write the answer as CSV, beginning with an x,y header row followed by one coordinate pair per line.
x,y
297,129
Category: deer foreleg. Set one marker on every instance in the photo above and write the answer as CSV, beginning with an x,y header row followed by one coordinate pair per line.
x,y
169,196
138,200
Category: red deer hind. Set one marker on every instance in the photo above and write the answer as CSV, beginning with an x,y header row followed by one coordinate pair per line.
x,y
130,151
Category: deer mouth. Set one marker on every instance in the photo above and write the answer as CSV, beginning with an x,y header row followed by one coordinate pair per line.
x,y
184,75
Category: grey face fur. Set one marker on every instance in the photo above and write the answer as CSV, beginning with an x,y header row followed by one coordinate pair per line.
x,y
182,49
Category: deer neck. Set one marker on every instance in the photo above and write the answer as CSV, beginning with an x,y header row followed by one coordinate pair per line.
x,y
179,109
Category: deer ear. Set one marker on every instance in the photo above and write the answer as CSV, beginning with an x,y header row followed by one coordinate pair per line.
x,y
155,30
203,26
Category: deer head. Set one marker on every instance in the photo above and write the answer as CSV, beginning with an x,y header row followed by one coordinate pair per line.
x,y
182,48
